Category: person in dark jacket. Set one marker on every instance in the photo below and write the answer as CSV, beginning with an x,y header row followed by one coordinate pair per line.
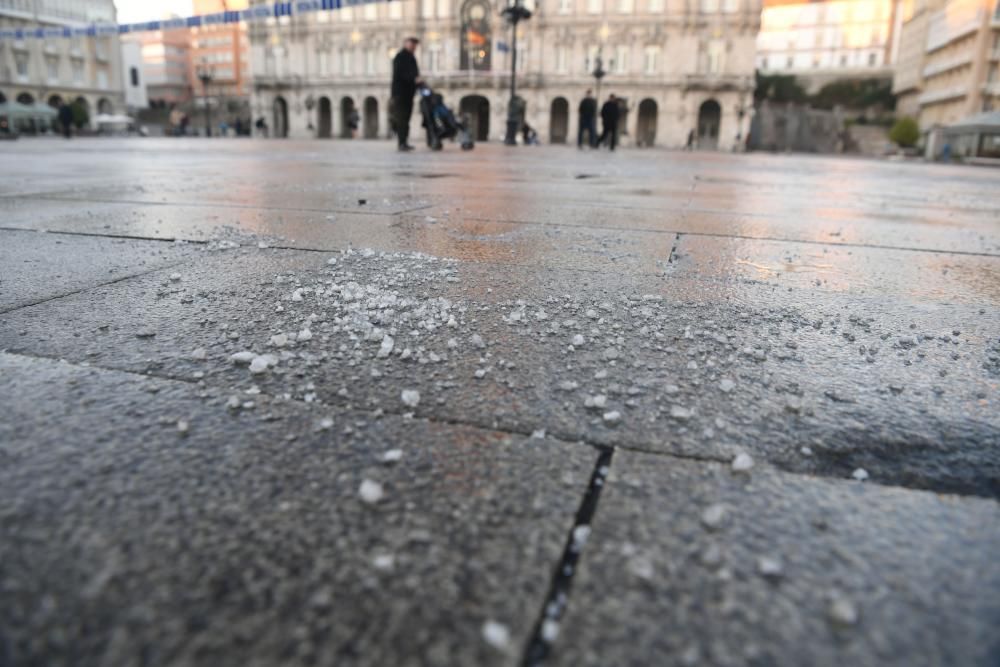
x,y
609,122
588,121
66,119
405,79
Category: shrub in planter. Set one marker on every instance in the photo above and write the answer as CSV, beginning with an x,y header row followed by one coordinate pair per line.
x,y
905,133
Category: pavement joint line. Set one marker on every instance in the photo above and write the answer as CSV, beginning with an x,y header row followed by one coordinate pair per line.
x,y
673,249
239,207
4,311
744,237
542,640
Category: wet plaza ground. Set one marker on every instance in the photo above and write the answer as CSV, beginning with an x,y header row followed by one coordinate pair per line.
x,y
325,404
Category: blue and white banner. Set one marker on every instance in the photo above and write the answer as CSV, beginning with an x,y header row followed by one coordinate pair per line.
x,y
258,13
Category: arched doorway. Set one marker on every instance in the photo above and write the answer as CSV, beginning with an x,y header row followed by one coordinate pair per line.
x,y
55,101
325,124
25,98
371,118
104,106
559,121
346,110
645,131
280,112
476,37
477,110
709,118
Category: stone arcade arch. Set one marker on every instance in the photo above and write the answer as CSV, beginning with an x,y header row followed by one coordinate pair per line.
x,y
477,108
645,131
371,118
709,118
559,121
324,123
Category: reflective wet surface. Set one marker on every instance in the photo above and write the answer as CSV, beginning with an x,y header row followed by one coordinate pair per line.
x,y
823,316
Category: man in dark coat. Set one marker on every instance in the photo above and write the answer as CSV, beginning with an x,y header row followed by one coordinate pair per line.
x,y
66,119
588,121
405,78
609,122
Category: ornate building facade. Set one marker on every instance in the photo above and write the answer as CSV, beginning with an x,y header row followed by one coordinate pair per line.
x,y
86,70
681,66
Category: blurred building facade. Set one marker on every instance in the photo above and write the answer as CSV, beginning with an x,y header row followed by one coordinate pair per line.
x,y
166,65
681,65
56,70
949,64
819,42
133,80
223,51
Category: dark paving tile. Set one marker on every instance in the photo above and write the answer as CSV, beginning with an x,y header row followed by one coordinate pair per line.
x,y
245,540
662,583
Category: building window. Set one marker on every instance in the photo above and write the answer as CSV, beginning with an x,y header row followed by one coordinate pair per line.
x,y
396,10
434,58
625,6
621,59
443,8
656,5
594,6
77,71
652,57
789,62
21,64
565,6
52,65
843,61
369,61
426,8
590,61
133,73
709,6
561,59
476,37
323,59
346,14
371,11
102,79
871,59
345,62
716,56
731,6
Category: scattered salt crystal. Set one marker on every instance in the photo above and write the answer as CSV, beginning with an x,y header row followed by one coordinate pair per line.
x,y
233,403
580,536
452,322
331,261
392,455
326,423
612,417
769,566
175,277
806,451
860,474
305,334
713,516
182,427
568,385
410,397
727,385
496,635
538,434
199,354
550,630
279,340
385,349
596,402
258,365
677,412
384,562
370,491
297,295
452,343
742,463
242,357
842,611
592,314
261,245
578,340
478,341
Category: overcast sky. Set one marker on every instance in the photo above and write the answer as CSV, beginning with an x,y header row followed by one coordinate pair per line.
x,y
133,11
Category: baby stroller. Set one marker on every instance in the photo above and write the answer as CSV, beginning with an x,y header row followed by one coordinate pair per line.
x,y
440,122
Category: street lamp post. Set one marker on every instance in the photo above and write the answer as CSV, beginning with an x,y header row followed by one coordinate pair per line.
x,y
515,12
205,76
598,72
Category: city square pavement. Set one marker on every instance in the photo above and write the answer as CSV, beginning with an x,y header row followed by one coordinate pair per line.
x,y
321,403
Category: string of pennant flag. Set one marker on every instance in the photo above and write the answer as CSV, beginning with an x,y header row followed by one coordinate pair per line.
x,y
256,13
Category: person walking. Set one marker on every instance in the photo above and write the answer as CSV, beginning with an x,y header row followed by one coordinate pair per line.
x,y
609,122
587,121
66,119
405,79
690,142
353,122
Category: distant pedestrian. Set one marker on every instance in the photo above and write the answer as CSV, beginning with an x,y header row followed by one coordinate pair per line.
x,y
66,119
261,126
690,142
185,121
528,134
588,121
354,121
405,79
609,122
